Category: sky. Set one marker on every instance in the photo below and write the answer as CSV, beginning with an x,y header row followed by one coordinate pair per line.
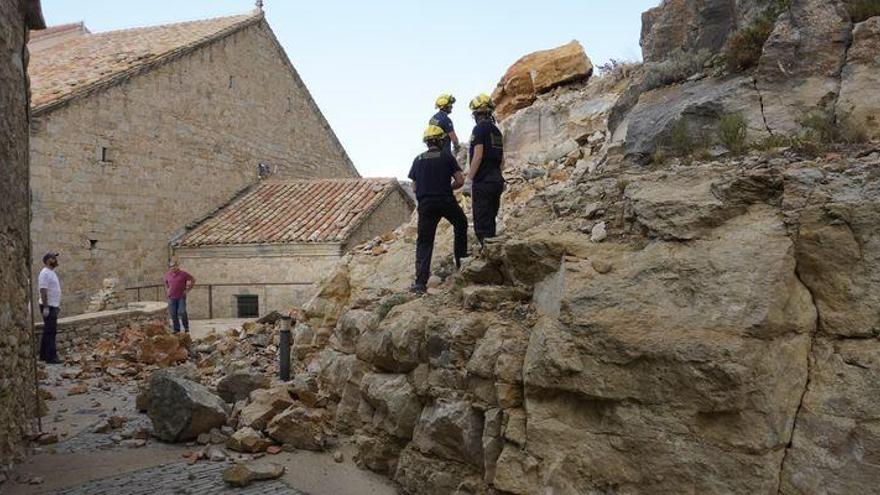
x,y
375,66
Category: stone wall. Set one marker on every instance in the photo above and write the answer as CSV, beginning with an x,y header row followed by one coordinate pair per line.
x,y
16,368
252,267
91,327
181,140
394,211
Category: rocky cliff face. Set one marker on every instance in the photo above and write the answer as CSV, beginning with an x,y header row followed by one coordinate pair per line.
x,y
694,326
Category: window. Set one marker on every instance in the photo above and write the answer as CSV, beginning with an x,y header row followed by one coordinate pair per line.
x,y
248,306
93,248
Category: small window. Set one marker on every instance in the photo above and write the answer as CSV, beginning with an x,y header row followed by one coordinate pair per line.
x,y
248,306
93,248
103,154
231,82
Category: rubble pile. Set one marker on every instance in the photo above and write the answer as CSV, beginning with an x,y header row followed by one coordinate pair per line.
x,y
252,348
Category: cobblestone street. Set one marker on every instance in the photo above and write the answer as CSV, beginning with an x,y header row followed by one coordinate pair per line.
x,y
176,479
88,462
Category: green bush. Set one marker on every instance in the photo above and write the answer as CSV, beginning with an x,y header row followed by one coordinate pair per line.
x,y
745,46
676,68
733,133
680,142
862,10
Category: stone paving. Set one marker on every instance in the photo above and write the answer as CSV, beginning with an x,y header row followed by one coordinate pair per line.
x,y
177,478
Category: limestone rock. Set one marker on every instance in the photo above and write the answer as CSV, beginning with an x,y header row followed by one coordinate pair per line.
x,y
395,406
677,26
264,405
419,473
697,107
538,73
835,428
237,386
451,429
181,409
859,102
350,327
301,427
398,344
248,440
241,475
792,84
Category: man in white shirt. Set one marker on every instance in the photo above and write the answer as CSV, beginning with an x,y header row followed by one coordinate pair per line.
x,y
50,304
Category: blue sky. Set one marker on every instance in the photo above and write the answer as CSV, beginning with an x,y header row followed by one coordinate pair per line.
x,y
375,66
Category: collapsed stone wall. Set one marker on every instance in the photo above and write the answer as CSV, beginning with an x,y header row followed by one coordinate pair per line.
x,y
81,330
16,368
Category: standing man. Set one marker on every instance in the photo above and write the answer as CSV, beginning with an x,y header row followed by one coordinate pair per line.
x,y
177,284
485,180
435,174
441,119
50,305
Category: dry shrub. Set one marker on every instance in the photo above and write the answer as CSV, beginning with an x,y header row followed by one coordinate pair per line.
x,y
733,133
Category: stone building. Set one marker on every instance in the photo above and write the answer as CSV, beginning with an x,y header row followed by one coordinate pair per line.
x,y
267,248
16,359
138,132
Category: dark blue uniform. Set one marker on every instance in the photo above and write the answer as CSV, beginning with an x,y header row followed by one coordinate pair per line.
x,y
488,183
433,172
441,119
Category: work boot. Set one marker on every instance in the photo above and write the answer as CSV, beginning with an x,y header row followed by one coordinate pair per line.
x,y
418,289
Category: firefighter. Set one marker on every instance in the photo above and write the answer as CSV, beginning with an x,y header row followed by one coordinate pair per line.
x,y
441,119
485,181
435,174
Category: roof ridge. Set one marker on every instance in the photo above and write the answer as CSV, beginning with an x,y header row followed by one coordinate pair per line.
x,y
291,211
247,16
167,56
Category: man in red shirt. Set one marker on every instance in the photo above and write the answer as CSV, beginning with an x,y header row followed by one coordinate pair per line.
x,y
177,284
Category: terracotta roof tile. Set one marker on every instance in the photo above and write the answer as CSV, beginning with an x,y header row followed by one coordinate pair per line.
x,y
294,211
63,71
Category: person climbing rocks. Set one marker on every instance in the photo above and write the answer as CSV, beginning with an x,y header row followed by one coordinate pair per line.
x,y
177,284
50,306
485,181
435,174
441,119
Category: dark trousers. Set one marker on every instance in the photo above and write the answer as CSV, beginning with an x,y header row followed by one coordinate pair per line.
x,y
431,210
177,308
486,203
48,349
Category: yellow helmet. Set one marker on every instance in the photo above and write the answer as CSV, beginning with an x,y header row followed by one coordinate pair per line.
x,y
433,133
444,101
482,104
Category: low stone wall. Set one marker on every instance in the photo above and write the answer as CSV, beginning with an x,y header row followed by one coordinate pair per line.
x,y
94,326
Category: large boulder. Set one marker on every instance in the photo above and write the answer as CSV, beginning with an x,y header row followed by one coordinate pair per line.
x,y
538,73
859,104
181,409
237,386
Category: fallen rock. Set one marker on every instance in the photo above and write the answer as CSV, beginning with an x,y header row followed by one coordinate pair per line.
x,y
238,386
241,475
300,427
451,429
538,73
265,404
181,409
248,440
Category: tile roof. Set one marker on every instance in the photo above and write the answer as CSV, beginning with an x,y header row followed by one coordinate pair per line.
x,y
292,211
63,71
56,30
